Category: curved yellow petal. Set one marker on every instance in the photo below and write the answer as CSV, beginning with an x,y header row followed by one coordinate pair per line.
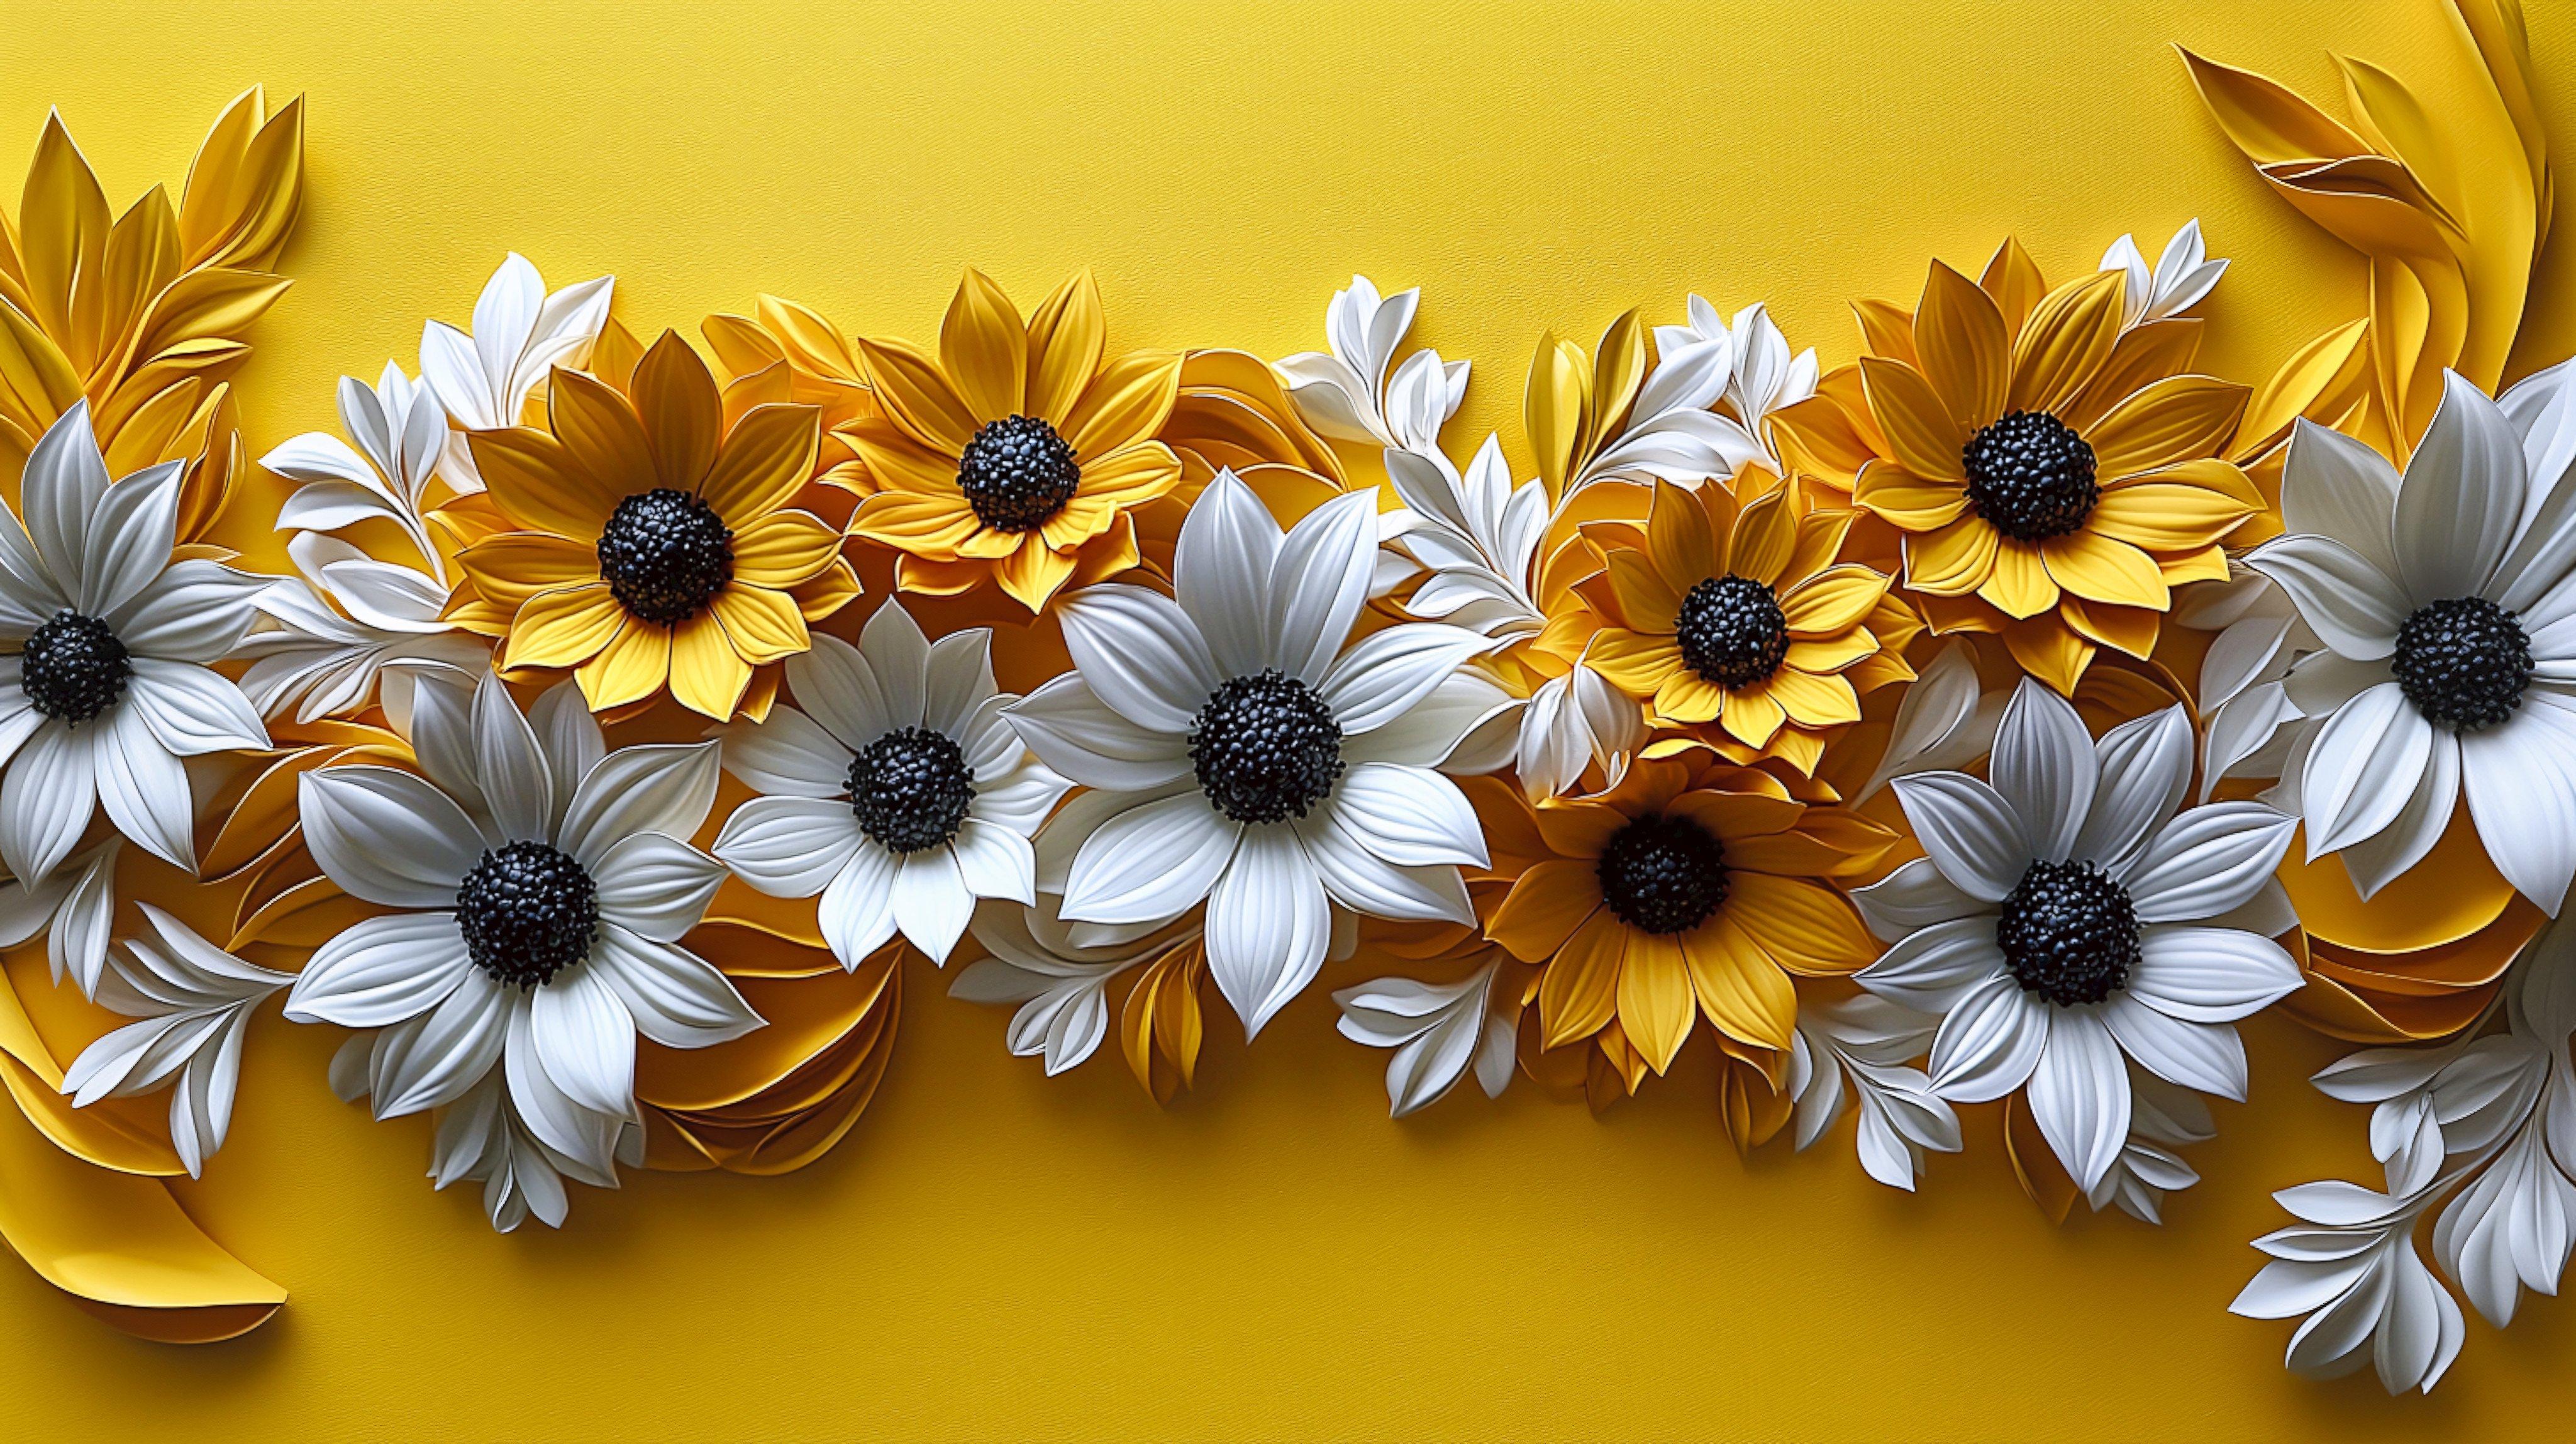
x,y
1808,927
763,625
1897,496
707,674
534,482
919,400
1066,339
1579,827
2126,629
2020,586
896,462
1766,532
1655,1001
1832,601
1953,561
1813,701
766,459
1826,657
1678,540
1579,993
1126,403
1544,907
2067,339
601,435
565,626
510,568
783,549
2167,421
1927,440
1739,987
2048,649
1961,343
1686,697
1647,601
1033,574
925,523
1634,662
2168,515
1750,717
632,667
984,348
682,414
2100,569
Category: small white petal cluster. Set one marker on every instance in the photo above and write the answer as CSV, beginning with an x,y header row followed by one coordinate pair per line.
x,y
483,380
1439,1033
2183,275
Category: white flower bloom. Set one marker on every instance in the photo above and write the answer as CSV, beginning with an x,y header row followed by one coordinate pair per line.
x,y
2069,913
543,887
1762,377
2446,599
107,686
195,1002
2183,275
330,638
898,794
520,334
1243,752
1348,394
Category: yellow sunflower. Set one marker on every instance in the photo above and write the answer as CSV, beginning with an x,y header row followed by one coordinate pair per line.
x,y
650,540
1732,608
1692,887
2054,474
1017,452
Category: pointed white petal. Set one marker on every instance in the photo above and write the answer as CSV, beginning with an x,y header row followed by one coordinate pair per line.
x,y
1267,927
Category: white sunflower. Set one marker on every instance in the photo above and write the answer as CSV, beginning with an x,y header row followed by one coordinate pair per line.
x,y
1243,752
2447,602
541,885
898,793
2069,913
106,686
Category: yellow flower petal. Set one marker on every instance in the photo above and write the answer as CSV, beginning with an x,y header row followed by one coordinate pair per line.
x,y
1687,698
1813,701
1920,430
682,415
2167,516
564,626
2020,586
707,675
1032,574
1953,561
2048,649
2068,337
767,459
897,462
534,482
2175,419
1634,662
600,433
1647,601
925,523
783,549
1579,992
1739,987
916,397
829,590
1066,338
2094,566
510,568
2127,629
763,625
1824,658
1820,540
1545,906
1902,499
1765,534
1733,815
984,349
629,669
1808,927
1752,717
1578,828
1655,1002
1126,403
1960,341
1832,601
1678,540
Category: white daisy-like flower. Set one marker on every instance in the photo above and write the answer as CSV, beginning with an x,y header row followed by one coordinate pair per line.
x,y
1243,752
2070,912
542,887
898,793
107,685
2447,602
521,334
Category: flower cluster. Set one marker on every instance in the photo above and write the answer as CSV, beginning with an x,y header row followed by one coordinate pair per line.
x,y
1930,738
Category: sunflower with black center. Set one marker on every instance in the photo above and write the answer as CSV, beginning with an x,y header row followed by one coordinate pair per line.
x,y
1692,888
648,540
1733,613
1018,451
2055,474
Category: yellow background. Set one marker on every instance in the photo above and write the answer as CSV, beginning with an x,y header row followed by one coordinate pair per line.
x,y
992,1253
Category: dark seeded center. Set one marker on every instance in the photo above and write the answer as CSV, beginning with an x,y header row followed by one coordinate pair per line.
x,y
911,788
1731,631
74,668
665,554
1017,473
528,912
2068,933
2030,476
2463,662
1266,748
1663,874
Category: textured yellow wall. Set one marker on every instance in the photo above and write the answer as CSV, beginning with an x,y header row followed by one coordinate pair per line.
x,y
990,1253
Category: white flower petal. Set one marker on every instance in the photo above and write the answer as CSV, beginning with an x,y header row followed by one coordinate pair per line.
x,y
190,710
509,767
665,788
1268,925
585,1136
46,802
1932,968
839,688
381,971
857,911
386,836
959,679
1070,729
2461,501
1989,1041
1388,672
787,755
64,480
1968,829
1020,799
2208,861
2044,767
2079,1096
655,885
197,611
2520,793
898,657
1364,882
790,846
585,1038
2145,770
2351,604
1446,727
1150,862
2206,1056
436,1057
1916,895
2365,763
2210,975
142,788
676,998
1221,573
1140,654
2334,485
996,861
1318,583
931,903
571,739
1410,816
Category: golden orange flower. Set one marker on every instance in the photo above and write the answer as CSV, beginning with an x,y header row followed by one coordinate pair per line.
x,y
2055,475
649,543
1693,887
1017,452
1732,608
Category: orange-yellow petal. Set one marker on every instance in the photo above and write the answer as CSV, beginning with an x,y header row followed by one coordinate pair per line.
x,y
2099,569
984,349
1752,717
564,626
1678,540
1766,532
2019,586
1739,987
600,432
1033,574
1655,1002
1066,339
1832,601
1813,701
1126,403
1961,343
2172,420
783,549
707,674
765,460
1579,992
535,483
1927,440
1953,561
630,668
1686,697
927,523
2048,649
1808,927
681,411
1634,662
1544,907
763,625
907,383
513,566
2069,335
1907,501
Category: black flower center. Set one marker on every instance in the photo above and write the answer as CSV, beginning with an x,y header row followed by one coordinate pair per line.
x,y
1266,748
528,912
1017,473
2030,476
2069,933
665,554
1731,631
74,668
1663,874
911,788
2463,662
